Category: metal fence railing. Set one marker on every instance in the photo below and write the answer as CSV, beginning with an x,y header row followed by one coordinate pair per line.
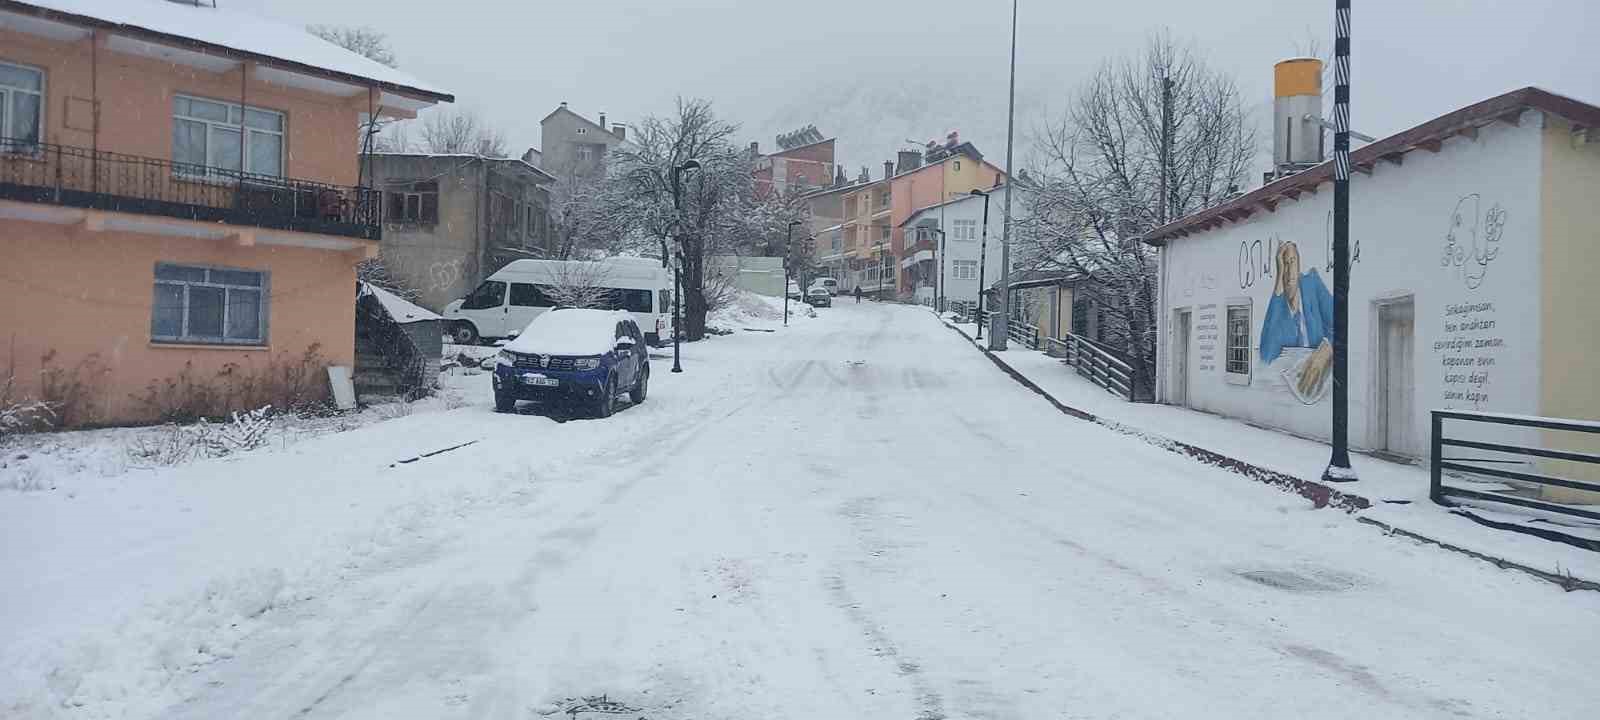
x,y
1095,363
1023,332
1516,479
101,180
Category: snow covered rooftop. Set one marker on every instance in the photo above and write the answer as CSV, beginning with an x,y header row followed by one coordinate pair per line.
x,y
399,308
186,25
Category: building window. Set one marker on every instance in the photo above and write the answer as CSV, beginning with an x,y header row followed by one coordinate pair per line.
x,y
583,131
530,222
205,133
965,269
884,233
585,153
964,229
21,107
958,166
209,305
416,202
1237,362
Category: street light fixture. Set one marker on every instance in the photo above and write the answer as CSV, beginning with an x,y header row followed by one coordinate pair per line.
x,y
787,238
983,256
999,342
677,268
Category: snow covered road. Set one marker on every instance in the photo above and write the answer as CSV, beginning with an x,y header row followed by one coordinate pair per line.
x,y
855,517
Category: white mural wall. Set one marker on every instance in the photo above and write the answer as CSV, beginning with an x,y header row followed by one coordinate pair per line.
x,y
1456,231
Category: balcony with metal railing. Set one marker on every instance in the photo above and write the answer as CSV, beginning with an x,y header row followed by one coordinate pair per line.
x,y
79,177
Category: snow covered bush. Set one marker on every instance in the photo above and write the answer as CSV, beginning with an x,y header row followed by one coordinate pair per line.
x,y
243,431
164,447
18,415
292,383
175,444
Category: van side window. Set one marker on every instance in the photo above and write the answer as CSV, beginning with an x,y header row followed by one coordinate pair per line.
x,y
490,294
527,295
632,300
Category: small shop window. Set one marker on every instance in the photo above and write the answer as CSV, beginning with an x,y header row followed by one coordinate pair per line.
x,y
209,305
1237,360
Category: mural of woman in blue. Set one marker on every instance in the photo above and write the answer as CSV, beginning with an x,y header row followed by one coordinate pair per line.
x,y
1299,315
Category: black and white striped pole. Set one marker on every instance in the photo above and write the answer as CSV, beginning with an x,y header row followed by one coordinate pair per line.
x,y
1339,469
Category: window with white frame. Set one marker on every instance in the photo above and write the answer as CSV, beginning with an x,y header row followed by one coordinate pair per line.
x,y
413,202
585,153
207,134
1237,360
209,305
21,106
964,229
965,269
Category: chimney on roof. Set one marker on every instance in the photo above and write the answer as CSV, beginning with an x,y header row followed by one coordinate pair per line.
x,y
888,169
952,140
620,130
602,122
755,149
563,103
838,177
908,160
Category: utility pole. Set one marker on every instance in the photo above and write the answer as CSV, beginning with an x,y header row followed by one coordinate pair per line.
x,y
983,256
998,342
1166,148
788,237
1339,469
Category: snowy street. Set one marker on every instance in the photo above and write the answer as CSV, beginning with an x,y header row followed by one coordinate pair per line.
x,y
858,516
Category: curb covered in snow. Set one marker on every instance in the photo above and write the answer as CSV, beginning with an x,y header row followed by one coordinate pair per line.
x,y
1320,494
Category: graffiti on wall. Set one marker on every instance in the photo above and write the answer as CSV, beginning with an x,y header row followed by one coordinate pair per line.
x,y
1297,328
1472,241
444,274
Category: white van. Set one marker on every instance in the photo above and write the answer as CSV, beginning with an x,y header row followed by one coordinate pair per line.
x,y
510,299
826,283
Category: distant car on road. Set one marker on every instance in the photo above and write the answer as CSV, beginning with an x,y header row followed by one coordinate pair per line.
x,y
827,283
586,356
794,291
819,297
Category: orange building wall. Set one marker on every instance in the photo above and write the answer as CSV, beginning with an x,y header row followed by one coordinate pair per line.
x,y
82,293
136,105
931,185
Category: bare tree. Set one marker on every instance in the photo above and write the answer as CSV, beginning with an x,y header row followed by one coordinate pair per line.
x,y
1101,166
716,201
452,132
582,285
582,218
364,41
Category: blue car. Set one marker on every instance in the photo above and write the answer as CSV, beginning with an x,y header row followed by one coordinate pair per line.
x,y
578,355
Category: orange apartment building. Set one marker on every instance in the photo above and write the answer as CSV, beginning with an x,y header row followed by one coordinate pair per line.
x,y
180,215
937,175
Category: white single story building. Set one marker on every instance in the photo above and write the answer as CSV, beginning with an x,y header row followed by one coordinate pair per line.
x,y
1475,245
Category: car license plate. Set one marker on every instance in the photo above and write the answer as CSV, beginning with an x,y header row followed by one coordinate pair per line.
x,y
540,380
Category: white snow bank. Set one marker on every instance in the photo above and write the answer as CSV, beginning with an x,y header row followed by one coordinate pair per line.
x,y
747,309
570,332
232,28
399,308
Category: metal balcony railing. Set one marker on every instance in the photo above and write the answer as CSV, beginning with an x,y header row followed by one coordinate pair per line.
x,y
100,180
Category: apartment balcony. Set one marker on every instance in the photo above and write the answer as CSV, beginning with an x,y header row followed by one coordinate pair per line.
x,y
76,177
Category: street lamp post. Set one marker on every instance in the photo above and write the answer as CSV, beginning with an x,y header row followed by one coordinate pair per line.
x,y
999,342
983,256
677,267
938,295
788,237
1339,469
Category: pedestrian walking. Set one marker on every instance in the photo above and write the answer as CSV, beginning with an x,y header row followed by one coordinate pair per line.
x,y
858,294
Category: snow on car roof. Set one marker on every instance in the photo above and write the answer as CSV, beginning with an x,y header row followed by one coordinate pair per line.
x,y
231,28
570,331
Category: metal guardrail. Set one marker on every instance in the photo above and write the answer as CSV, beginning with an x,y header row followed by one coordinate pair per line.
x,y
1095,363
101,180
1441,493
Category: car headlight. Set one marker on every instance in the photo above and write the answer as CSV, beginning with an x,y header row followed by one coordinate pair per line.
x,y
504,357
586,363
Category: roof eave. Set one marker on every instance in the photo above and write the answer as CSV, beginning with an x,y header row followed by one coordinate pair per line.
x,y
181,41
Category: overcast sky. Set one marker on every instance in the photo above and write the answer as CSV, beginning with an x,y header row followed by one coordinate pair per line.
x,y
765,63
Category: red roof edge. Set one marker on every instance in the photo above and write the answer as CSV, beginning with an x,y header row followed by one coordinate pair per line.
x,y
1431,132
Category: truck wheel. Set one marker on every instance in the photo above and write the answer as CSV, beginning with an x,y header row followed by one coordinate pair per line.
x,y
464,333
